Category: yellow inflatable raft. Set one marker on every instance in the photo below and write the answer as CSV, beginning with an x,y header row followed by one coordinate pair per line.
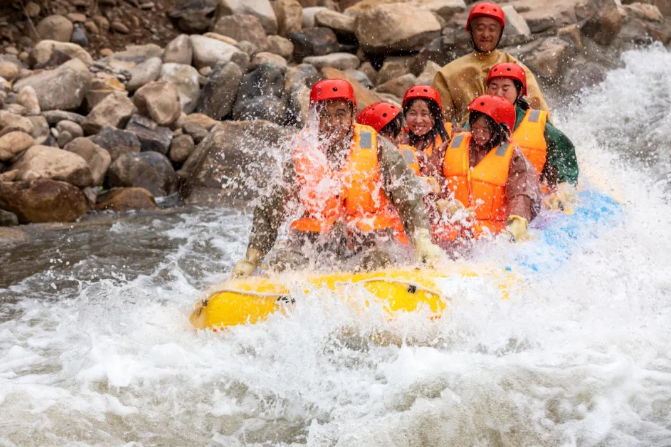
x,y
250,300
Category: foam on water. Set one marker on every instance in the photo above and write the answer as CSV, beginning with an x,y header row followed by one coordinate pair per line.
x,y
96,348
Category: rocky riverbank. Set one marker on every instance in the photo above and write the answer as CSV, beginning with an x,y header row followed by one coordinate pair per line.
x,y
115,104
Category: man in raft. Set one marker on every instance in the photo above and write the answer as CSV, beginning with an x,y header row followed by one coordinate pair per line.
x,y
356,194
485,171
463,79
550,151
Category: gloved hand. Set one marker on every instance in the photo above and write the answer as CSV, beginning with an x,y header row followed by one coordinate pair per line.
x,y
426,250
246,267
562,198
433,184
453,206
517,226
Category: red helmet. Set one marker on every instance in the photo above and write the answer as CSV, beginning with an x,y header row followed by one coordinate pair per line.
x,y
509,70
332,89
486,10
424,92
497,108
378,115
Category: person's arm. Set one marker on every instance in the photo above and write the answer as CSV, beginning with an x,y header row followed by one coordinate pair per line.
x,y
523,190
402,187
440,84
562,164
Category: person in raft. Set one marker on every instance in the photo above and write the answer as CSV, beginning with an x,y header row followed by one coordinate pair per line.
x,y
485,171
356,194
546,147
463,79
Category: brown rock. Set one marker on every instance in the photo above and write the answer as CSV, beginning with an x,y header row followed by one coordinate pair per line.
x,y
43,200
117,142
406,28
55,27
119,27
44,52
605,25
10,122
364,97
341,61
289,16
12,234
264,57
179,51
98,159
203,120
260,8
159,101
398,86
549,59
55,164
314,42
181,147
642,11
149,170
340,23
114,110
185,78
28,99
121,200
242,27
13,143
10,70
40,131
394,67
281,46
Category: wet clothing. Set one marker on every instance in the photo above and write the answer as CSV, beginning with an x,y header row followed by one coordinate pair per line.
x,y
398,183
561,163
464,79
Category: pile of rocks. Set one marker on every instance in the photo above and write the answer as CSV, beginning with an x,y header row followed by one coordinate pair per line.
x,y
103,130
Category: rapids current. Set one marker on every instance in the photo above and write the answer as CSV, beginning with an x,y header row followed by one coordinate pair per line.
x,y
96,348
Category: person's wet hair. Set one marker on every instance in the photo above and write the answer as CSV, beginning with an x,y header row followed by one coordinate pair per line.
x,y
438,124
393,127
500,133
521,101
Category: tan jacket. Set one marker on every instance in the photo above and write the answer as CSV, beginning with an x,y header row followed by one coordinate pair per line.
x,y
464,79
399,184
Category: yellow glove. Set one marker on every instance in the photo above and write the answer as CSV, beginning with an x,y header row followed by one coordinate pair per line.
x,y
517,226
426,250
562,198
453,206
433,184
247,266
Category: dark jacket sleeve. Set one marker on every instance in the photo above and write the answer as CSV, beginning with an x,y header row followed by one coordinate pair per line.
x,y
562,164
270,212
402,187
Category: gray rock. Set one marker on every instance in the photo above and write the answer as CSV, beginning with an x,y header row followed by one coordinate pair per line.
x,y
220,91
63,88
158,101
64,138
265,58
55,164
70,126
260,8
144,73
314,42
8,219
260,108
179,51
45,53
195,131
79,37
308,19
193,16
281,46
40,132
149,170
117,142
361,77
152,136
185,79
132,57
55,116
297,85
242,27
398,86
97,158
208,52
340,23
341,61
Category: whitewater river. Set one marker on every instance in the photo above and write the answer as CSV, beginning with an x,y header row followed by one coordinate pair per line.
x,y
96,348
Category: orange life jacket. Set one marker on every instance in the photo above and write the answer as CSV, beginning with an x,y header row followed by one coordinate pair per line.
x,y
353,193
530,137
410,156
482,188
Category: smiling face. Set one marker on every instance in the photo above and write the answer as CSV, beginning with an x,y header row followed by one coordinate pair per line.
x,y
419,118
486,33
481,131
504,88
335,119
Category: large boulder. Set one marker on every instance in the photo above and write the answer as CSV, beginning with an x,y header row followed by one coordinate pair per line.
x,y
13,143
185,79
220,91
149,170
397,86
289,15
98,159
152,136
242,27
297,85
342,24
550,57
43,52
122,200
63,88
228,167
260,95
55,164
55,27
394,67
260,8
179,51
208,52
114,110
159,101
314,42
605,24
43,201
406,28
117,142
144,73
193,16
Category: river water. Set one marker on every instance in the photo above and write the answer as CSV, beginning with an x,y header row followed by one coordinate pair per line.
x,y
96,348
